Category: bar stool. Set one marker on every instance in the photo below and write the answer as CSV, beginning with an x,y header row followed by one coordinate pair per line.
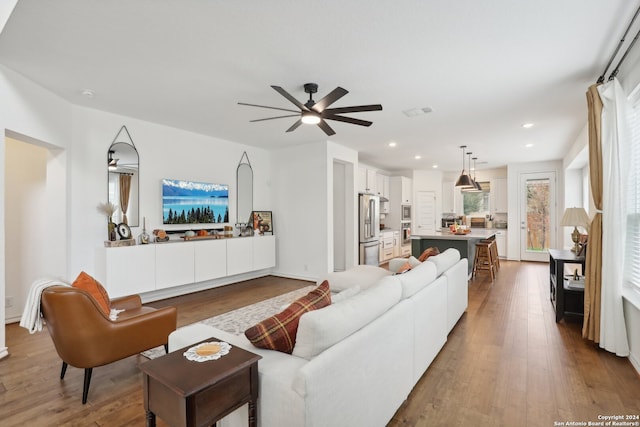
x,y
483,260
494,253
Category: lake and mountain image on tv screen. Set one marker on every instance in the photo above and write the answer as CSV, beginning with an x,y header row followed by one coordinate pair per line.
x,y
189,202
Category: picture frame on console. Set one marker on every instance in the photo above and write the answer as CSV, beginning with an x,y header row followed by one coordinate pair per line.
x,y
262,222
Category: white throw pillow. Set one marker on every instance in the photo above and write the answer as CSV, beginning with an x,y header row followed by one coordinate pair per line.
x,y
320,329
360,275
417,278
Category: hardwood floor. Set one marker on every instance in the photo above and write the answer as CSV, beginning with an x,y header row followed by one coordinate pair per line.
x,y
505,363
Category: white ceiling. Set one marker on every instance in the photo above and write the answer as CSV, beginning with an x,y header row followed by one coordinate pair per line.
x,y
485,67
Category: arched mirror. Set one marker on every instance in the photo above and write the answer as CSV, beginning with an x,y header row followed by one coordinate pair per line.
x,y
244,190
123,171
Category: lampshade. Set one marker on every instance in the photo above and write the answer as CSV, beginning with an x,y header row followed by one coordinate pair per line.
x,y
574,217
464,180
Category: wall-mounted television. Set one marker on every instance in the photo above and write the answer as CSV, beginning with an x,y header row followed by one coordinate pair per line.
x,y
189,202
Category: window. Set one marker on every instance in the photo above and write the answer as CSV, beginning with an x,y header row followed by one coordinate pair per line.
x,y
476,203
632,244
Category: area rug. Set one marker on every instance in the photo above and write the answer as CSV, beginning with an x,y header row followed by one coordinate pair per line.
x,y
237,321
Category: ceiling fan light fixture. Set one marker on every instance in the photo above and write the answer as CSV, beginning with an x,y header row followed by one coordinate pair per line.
x,y
309,118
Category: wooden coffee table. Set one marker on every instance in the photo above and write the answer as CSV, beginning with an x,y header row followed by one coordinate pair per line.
x,y
193,394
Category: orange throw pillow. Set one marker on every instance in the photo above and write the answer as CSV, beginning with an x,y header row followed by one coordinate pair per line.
x,y
279,332
427,253
95,289
405,267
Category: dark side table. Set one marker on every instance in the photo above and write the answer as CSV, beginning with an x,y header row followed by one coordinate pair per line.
x,y
565,301
193,394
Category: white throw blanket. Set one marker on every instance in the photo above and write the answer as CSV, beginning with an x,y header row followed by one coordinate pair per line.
x,y
31,317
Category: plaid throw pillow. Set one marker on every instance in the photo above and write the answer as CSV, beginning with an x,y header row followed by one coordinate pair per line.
x,y
279,332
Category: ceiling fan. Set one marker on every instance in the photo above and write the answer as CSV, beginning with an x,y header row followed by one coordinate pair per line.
x,y
315,113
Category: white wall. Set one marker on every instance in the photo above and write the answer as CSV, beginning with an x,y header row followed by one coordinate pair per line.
x,y
164,152
27,109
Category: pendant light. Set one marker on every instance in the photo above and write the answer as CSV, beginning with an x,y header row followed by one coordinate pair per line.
x,y
477,188
474,186
464,181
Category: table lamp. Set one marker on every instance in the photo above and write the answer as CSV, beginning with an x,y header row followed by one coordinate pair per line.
x,y
573,217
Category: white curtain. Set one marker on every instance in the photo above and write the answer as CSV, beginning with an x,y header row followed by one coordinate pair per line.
x,y
616,113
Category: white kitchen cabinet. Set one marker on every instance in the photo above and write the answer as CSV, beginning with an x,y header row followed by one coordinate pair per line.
x,y
448,199
174,264
499,195
386,246
400,191
210,259
396,244
382,188
501,243
367,180
127,270
264,252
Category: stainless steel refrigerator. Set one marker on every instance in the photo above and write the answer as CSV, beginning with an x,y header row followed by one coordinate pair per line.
x,y
369,228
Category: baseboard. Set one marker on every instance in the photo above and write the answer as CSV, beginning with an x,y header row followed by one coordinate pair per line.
x,y
635,363
294,276
4,352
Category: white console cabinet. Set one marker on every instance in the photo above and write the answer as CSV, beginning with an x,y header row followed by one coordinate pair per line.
x,y
174,264
146,268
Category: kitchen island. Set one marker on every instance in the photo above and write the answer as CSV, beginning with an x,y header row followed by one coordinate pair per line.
x,y
443,240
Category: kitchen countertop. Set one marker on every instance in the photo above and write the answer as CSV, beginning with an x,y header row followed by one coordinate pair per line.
x,y
476,233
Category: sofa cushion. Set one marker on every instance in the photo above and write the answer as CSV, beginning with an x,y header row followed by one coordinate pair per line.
x,y
95,289
279,332
445,260
416,279
343,295
360,275
318,330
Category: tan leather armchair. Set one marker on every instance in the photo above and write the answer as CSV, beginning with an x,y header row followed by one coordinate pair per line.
x,y
85,337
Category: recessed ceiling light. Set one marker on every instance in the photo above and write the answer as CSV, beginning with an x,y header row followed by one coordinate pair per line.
x,y
529,145
527,125
412,112
435,166
392,144
418,157
88,93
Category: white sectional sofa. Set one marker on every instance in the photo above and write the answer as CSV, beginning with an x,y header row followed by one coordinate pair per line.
x,y
357,360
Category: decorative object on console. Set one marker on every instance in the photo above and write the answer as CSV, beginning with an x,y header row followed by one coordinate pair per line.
x,y
124,231
464,180
109,209
144,236
161,235
262,222
574,217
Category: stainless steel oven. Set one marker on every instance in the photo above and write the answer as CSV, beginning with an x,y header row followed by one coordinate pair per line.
x,y
405,213
405,233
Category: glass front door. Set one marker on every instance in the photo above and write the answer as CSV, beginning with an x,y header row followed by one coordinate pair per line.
x,y
537,216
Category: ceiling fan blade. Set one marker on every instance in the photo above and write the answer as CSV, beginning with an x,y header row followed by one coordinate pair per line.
x,y
266,106
290,98
355,109
295,125
350,120
331,97
277,117
326,128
